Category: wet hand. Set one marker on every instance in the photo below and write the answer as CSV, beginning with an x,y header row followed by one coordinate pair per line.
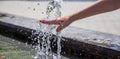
x,y
62,22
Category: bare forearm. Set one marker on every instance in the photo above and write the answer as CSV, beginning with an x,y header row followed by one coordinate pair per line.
x,y
97,8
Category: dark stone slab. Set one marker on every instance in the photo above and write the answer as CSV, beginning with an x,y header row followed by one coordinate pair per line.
x,y
82,43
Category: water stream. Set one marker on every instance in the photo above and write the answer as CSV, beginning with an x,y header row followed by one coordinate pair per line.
x,y
43,48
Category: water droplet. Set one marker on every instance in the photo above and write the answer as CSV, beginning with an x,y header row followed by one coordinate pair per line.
x,y
42,12
19,43
25,32
64,52
28,7
33,9
80,54
13,40
20,30
12,17
38,3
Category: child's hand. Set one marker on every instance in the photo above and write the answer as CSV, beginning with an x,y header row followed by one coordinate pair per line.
x,y
62,22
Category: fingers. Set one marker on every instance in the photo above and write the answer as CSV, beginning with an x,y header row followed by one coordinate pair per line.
x,y
61,27
62,22
51,21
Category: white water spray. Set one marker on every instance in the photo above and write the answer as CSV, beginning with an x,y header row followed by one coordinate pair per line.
x,y
43,48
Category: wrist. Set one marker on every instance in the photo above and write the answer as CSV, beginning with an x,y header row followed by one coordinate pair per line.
x,y
73,17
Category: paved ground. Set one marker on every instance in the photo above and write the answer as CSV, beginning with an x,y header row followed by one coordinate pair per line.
x,y
107,22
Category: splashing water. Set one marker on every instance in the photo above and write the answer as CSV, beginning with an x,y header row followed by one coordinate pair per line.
x,y
43,47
